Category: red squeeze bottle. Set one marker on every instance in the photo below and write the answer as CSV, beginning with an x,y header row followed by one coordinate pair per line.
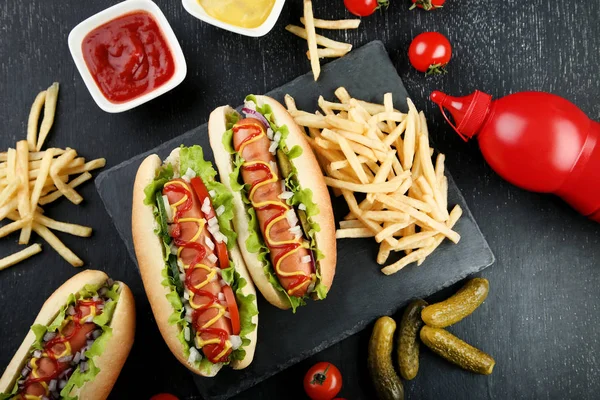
x,y
535,140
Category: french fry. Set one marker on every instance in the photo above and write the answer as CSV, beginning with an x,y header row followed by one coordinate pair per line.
x,y
14,226
385,187
383,216
342,94
9,191
321,40
24,206
8,207
72,229
290,103
353,233
389,231
311,39
49,111
88,166
420,217
34,117
57,245
338,24
410,135
20,256
351,200
352,159
57,168
42,177
439,168
331,105
327,53
344,124
73,184
36,155
354,223
309,120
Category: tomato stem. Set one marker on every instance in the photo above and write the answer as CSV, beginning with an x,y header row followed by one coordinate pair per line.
x,y
436,69
320,378
425,5
382,3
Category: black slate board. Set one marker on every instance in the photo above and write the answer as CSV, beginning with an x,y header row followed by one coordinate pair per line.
x,y
360,292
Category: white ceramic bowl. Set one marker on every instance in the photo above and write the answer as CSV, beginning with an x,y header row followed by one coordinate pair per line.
x,y
194,8
80,31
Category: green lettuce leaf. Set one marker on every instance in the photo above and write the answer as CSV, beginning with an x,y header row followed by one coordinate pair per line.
x,y
255,242
39,331
78,379
163,175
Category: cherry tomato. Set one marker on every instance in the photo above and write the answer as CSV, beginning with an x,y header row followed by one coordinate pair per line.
x,y
202,193
428,4
163,396
323,381
364,8
430,52
232,307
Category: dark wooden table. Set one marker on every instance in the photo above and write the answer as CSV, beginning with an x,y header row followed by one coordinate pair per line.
x,y
540,319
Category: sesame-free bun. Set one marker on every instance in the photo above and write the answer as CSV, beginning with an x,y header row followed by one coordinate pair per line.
x,y
149,253
309,176
117,349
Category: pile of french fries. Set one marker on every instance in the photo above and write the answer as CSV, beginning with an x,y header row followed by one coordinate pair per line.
x,y
384,155
331,48
31,178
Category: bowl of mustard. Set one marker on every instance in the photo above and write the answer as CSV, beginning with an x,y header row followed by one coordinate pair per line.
x,y
246,17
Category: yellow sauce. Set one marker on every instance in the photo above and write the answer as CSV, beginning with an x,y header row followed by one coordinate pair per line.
x,y
242,13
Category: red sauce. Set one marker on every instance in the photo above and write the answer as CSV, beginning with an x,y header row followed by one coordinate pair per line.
x,y
60,338
200,254
128,56
285,248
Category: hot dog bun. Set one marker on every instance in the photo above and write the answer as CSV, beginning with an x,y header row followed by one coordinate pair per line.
x,y
310,177
110,361
149,252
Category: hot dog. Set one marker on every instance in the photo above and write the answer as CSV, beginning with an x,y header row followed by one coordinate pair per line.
x,y
284,217
203,300
78,343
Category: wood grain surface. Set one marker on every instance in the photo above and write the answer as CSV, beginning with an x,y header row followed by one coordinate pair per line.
x,y
540,320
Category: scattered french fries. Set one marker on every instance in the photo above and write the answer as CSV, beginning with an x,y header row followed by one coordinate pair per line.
x,y
382,155
332,48
31,177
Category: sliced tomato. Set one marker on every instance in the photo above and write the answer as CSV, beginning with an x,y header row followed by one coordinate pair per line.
x,y
202,193
234,313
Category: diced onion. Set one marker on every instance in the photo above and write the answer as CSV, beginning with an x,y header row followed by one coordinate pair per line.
x,y
96,334
273,147
71,310
37,354
220,210
52,385
273,165
206,206
168,209
25,371
221,296
212,258
214,278
100,307
194,355
227,315
212,193
286,195
77,358
209,243
277,136
182,277
186,333
283,188
302,207
65,359
296,230
291,217
45,398
310,287
186,295
180,265
62,383
223,283
219,272
189,174
306,259
213,221
174,249
188,318
236,341
270,133
250,105
188,310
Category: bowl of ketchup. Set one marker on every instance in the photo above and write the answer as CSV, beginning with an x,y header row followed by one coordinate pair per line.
x,y
127,55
